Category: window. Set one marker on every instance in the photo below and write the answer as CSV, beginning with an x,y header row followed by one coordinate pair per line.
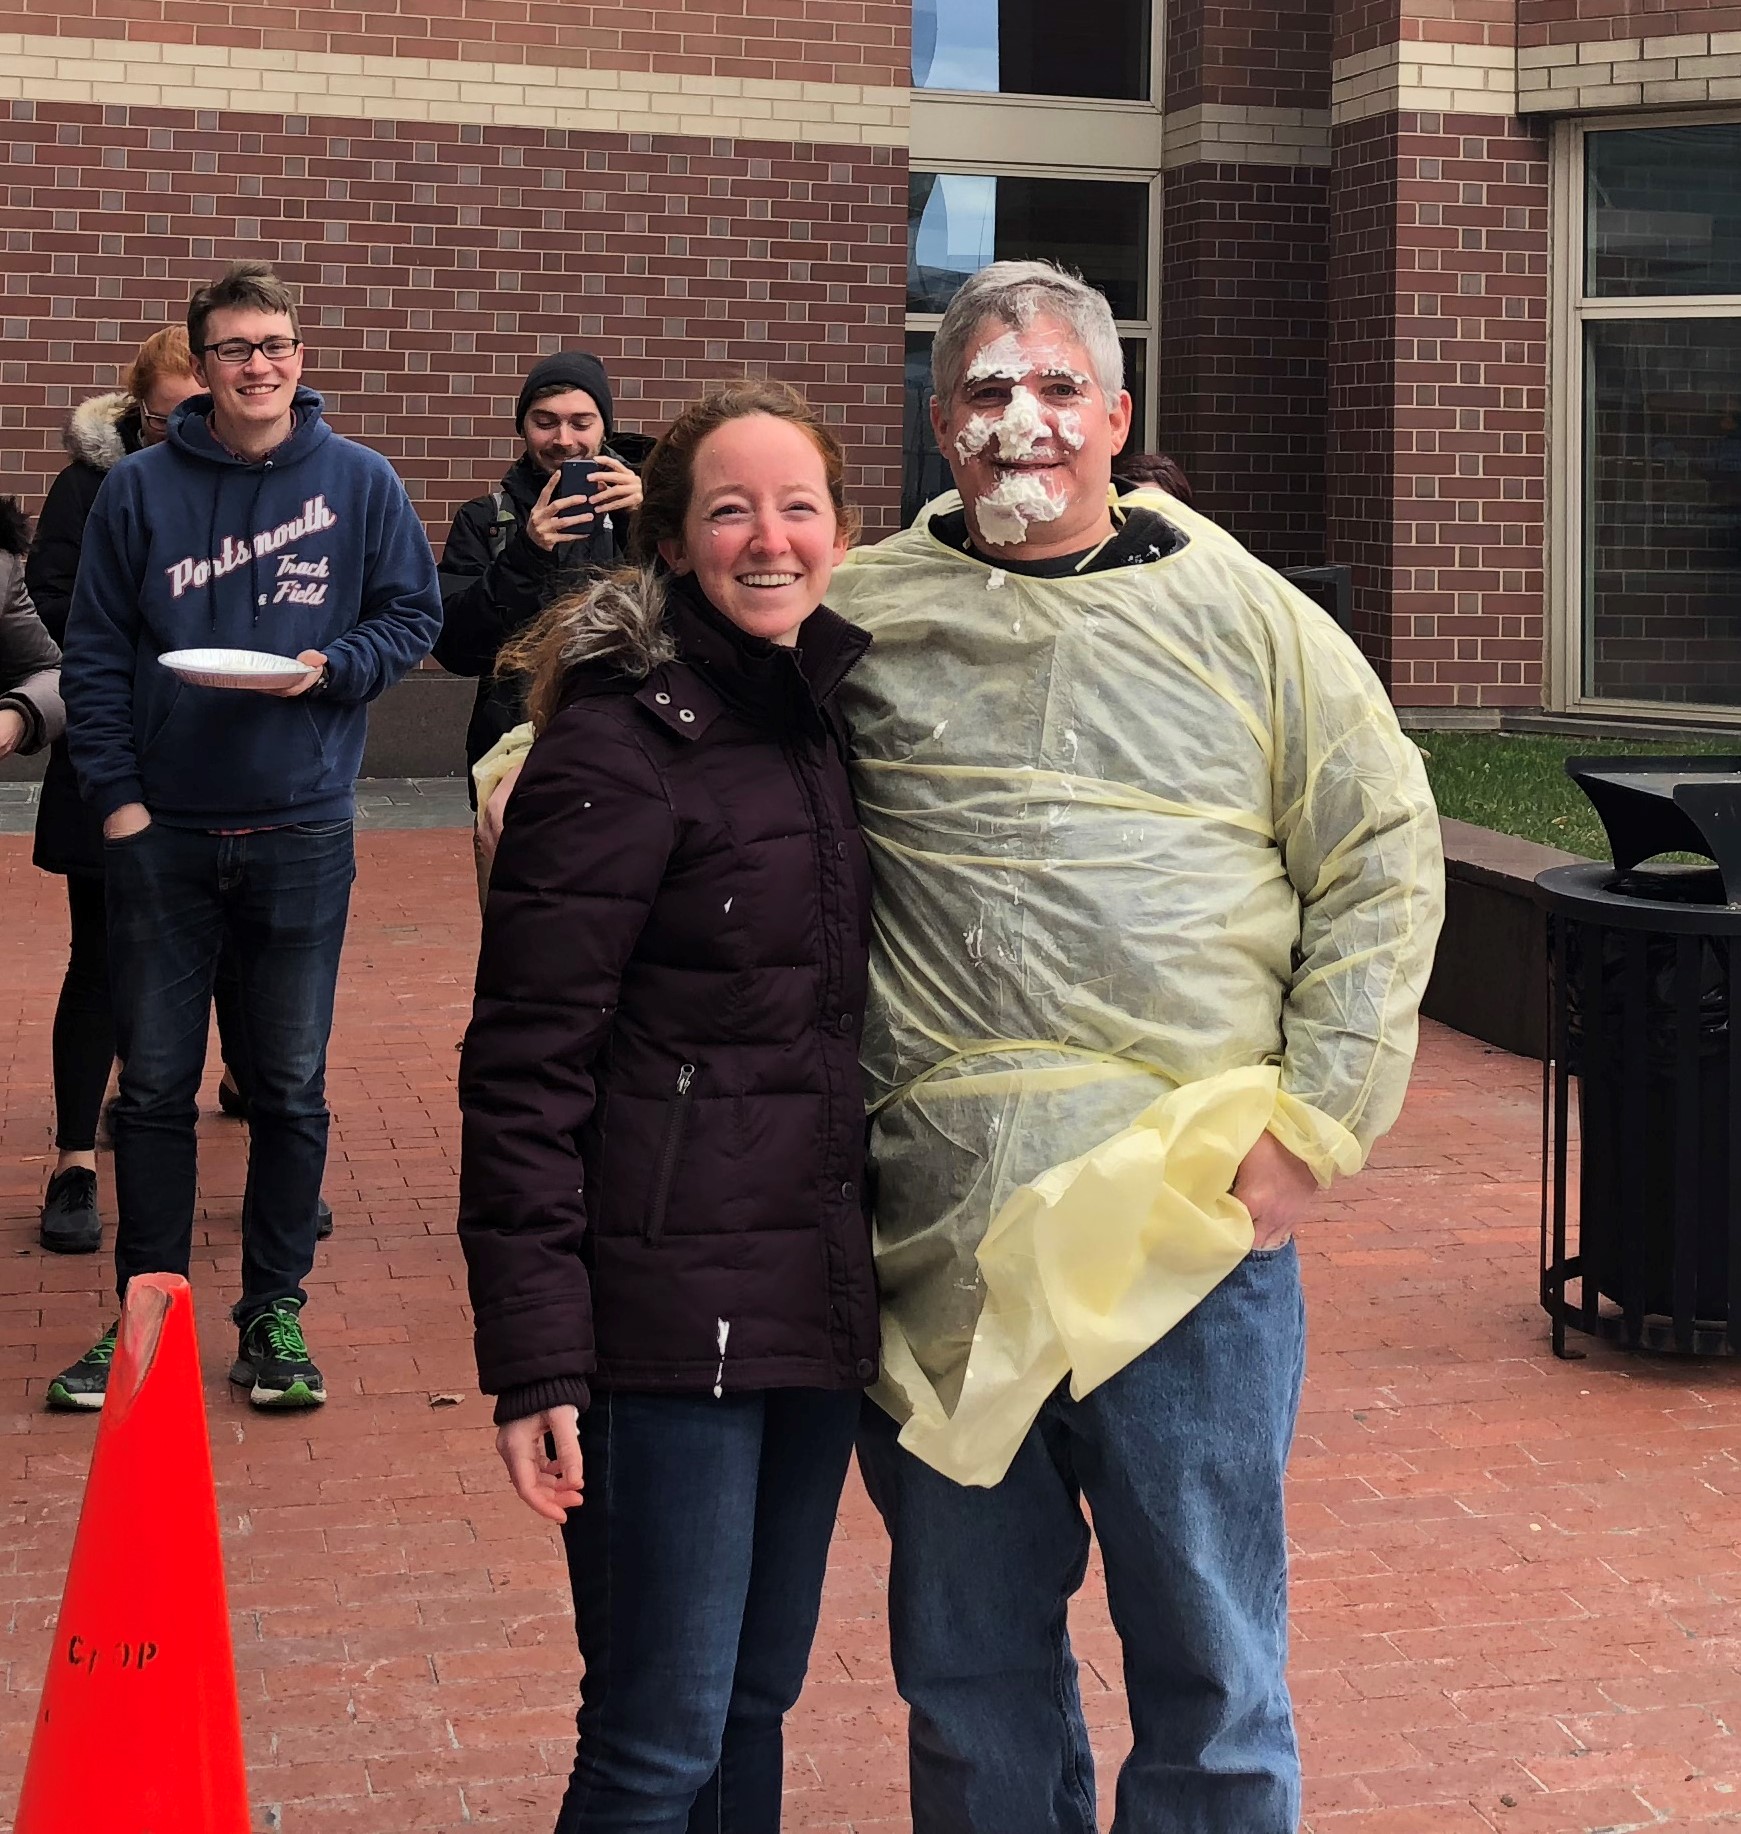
x,y
1654,388
1097,48
958,221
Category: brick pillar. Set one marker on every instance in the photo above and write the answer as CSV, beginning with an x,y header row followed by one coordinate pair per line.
x,y
1436,482
1244,250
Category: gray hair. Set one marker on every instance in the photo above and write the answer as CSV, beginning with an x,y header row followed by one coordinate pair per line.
x,y
1013,292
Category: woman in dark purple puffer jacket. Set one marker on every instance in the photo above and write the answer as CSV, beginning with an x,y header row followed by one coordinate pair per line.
x,y
664,1125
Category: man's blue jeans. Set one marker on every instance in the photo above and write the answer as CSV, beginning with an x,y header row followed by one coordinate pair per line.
x,y
280,897
1180,1458
697,1561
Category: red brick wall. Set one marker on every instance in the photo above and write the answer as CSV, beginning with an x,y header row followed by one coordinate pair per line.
x,y
437,262
1438,401
1260,54
1358,521
1566,22
821,41
1242,374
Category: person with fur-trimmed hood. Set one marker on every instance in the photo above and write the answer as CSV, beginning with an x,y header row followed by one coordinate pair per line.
x,y
662,1168
69,837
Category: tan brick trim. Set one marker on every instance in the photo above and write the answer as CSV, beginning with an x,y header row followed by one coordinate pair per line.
x,y
154,75
1689,67
1221,133
1424,76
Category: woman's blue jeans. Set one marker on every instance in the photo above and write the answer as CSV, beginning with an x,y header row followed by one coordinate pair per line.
x,y
1180,1459
697,1562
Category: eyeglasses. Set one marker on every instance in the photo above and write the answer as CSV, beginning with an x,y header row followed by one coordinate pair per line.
x,y
156,422
239,350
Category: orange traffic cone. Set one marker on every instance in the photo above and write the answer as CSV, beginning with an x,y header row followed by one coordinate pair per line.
x,y
139,1724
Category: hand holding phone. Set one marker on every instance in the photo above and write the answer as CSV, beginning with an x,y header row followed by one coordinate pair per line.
x,y
561,513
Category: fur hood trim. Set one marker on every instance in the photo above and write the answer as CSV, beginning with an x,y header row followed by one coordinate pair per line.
x,y
93,434
14,527
619,622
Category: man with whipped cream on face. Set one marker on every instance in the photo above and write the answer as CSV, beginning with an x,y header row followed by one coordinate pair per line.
x,y
1157,886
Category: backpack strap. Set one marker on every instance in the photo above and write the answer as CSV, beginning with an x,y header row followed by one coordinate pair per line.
x,y
504,524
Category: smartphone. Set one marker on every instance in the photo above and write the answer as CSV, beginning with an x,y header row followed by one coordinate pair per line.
x,y
577,477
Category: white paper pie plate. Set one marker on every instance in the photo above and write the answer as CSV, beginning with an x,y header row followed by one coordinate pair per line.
x,y
231,668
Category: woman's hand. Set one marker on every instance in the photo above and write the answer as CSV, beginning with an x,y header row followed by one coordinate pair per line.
x,y
548,1486
12,730
555,520
615,487
494,813
1278,1189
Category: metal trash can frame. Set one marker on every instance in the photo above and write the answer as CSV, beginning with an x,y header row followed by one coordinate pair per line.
x,y
1642,1013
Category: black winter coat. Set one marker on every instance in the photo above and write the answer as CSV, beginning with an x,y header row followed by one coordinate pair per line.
x,y
663,1112
495,580
101,432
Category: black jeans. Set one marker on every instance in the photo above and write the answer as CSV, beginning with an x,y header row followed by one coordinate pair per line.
x,y
697,1562
279,900
84,1021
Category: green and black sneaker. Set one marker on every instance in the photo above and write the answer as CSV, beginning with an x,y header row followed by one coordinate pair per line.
x,y
272,1360
82,1387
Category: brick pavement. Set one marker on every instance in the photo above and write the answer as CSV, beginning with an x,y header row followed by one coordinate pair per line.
x,y
1518,1583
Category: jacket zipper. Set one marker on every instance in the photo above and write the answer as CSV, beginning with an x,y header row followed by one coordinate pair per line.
x,y
674,1130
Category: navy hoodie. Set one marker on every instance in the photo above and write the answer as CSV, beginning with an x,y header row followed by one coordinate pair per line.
x,y
315,547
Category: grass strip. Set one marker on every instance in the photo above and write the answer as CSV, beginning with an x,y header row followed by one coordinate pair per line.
x,y
1517,782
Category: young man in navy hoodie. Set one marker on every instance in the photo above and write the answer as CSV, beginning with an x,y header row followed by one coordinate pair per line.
x,y
228,812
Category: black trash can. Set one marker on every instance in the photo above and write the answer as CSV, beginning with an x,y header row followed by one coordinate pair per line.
x,y
1643,968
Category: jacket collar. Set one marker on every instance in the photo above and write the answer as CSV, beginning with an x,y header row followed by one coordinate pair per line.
x,y
522,482
772,684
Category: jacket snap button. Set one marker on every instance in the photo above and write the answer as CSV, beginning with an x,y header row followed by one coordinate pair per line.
x,y
846,1022
866,1369
664,700
683,713
849,1189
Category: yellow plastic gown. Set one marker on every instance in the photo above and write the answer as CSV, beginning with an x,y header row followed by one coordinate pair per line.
x,y
1156,870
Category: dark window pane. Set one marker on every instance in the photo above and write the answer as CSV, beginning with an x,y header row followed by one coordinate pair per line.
x,y
924,474
958,221
1662,511
1664,211
1031,47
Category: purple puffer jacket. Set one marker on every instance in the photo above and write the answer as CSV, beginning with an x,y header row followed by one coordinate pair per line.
x,y
664,1137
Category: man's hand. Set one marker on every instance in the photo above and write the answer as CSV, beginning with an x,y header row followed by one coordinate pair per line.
x,y
1278,1189
550,1487
314,662
617,487
494,813
553,522
131,818
12,731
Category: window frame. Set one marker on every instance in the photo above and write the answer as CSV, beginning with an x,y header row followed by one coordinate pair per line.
x,y
1566,561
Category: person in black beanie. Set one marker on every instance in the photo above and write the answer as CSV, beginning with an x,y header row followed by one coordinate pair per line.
x,y
510,553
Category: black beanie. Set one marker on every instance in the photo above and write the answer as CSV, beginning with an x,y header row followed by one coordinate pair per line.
x,y
567,369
